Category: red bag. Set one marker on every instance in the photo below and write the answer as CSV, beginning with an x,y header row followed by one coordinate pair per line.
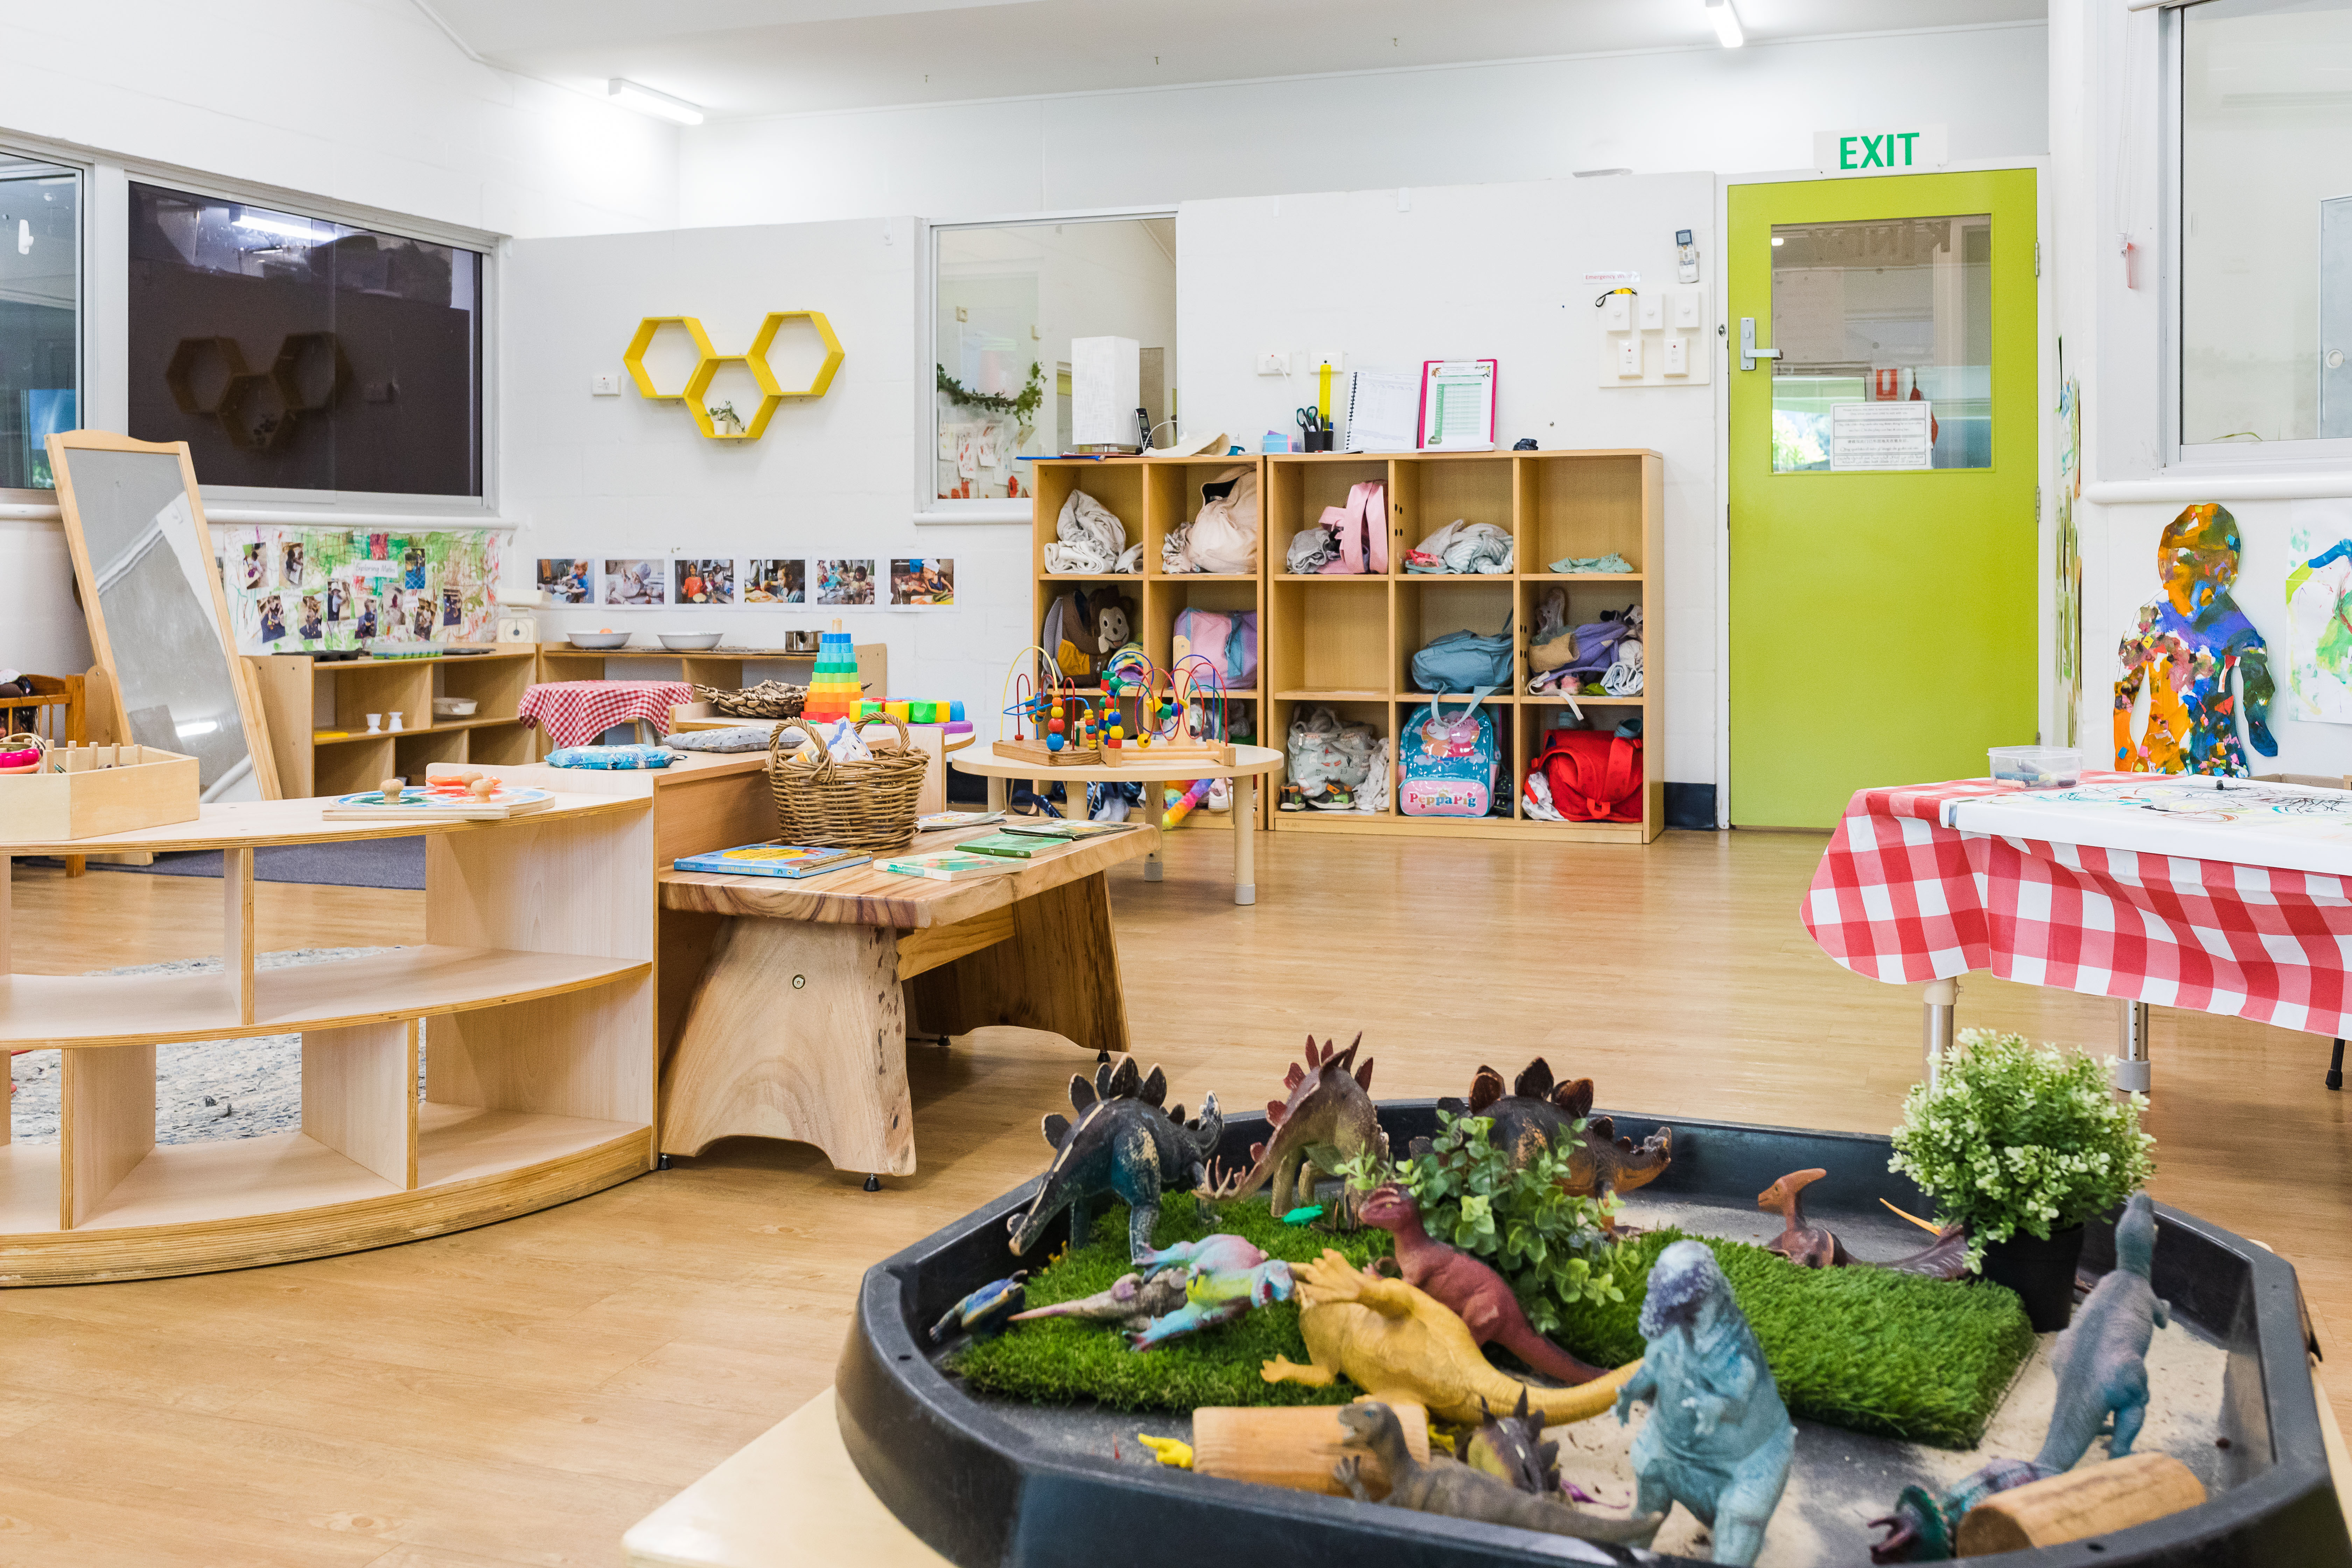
x,y
1595,776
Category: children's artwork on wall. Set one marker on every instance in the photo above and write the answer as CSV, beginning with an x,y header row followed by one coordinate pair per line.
x,y
702,580
318,590
926,582
567,580
2067,663
845,582
775,582
636,585
2189,642
2319,612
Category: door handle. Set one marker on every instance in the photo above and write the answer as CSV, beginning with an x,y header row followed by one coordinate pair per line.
x,y
1749,353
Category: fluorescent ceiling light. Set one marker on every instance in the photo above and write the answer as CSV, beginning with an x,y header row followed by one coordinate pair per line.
x,y
291,229
1726,23
646,100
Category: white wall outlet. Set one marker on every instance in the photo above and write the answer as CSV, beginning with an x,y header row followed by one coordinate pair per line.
x,y
1629,356
1677,355
1617,312
1651,311
1272,362
603,385
1687,307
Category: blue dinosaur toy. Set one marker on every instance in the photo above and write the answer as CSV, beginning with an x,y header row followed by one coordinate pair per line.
x,y
1718,1440
1123,1142
2101,1358
986,1313
1225,1276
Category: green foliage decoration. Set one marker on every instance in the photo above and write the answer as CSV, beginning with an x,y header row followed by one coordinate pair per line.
x,y
1023,409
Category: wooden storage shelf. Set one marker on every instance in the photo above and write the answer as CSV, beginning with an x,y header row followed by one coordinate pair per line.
x,y
438,725
302,695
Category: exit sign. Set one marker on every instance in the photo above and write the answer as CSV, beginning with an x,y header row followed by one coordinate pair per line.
x,y
1894,149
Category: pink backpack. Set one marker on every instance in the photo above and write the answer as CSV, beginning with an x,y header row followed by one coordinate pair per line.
x,y
1362,527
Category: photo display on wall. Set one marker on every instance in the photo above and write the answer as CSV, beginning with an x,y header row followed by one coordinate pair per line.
x,y
703,580
317,590
775,582
845,582
635,584
567,579
923,582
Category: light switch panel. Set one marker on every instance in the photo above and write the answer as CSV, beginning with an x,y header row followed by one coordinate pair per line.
x,y
1629,356
1677,355
1617,312
604,386
1653,311
1688,305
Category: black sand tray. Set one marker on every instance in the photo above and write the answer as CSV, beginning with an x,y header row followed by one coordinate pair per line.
x,y
987,1487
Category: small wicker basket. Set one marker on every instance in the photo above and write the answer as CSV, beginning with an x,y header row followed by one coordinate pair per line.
x,y
769,700
869,806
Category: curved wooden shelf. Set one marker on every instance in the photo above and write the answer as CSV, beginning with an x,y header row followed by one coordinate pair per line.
x,y
260,823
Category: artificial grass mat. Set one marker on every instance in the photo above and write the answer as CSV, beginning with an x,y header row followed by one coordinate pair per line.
x,y
1871,1351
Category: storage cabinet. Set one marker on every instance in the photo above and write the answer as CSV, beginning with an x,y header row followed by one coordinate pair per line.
x,y
317,712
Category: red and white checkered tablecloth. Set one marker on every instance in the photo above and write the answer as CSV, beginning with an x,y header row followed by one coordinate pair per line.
x,y
1901,898
574,712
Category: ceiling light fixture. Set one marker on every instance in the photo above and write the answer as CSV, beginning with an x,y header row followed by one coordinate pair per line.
x,y
1727,23
646,100
288,228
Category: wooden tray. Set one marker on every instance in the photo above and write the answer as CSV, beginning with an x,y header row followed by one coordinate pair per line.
x,y
103,790
1037,752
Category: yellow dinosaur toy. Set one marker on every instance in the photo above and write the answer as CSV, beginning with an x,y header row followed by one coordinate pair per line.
x,y
1395,1343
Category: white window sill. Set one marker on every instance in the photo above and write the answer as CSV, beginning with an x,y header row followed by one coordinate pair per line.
x,y
985,512
2222,485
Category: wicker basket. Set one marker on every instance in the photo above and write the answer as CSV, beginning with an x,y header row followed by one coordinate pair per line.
x,y
869,806
769,700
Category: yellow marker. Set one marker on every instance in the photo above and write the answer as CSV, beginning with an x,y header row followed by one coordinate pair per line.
x,y
1323,397
1167,1450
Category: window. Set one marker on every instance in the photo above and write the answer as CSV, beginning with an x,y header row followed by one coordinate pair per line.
x,y
2265,222
1007,300
295,353
40,315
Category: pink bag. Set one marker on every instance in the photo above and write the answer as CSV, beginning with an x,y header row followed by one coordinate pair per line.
x,y
1362,526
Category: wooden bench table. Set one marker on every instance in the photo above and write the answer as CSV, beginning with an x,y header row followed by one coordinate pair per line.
x,y
797,1026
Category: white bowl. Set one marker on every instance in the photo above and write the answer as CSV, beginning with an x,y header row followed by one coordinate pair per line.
x,y
688,642
598,640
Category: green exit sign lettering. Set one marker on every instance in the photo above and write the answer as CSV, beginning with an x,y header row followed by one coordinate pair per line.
x,y
1899,149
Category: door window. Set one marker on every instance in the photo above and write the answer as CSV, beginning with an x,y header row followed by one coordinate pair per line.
x,y
1884,328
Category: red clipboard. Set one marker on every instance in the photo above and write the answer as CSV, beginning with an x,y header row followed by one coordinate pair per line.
x,y
1437,388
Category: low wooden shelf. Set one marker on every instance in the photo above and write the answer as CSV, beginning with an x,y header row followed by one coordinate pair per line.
x,y
307,699
532,1001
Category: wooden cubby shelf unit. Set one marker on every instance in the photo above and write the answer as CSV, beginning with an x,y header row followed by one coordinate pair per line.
x,y
309,699
1152,496
531,999
1347,641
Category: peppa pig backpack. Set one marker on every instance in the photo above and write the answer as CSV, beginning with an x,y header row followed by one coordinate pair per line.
x,y
1450,762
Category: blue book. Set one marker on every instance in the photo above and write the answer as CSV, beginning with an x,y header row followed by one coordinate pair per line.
x,y
773,861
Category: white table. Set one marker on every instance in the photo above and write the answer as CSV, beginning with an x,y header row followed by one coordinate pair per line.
x,y
1248,763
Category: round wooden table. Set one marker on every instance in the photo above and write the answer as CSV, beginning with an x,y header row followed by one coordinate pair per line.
x,y
1249,762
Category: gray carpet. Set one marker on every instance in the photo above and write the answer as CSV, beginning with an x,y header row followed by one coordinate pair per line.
x,y
203,1089
357,863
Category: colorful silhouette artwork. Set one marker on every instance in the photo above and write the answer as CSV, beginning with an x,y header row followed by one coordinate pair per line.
x,y
2189,640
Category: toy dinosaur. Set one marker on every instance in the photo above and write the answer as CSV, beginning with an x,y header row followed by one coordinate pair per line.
x,y
1329,1119
1537,1114
1511,1447
1470,1289
1132,1301
1926,1526
1718,1440
1224,1277
1806,1246
2101,1358
1122,1142
1394,1341
984,1314
1454,1489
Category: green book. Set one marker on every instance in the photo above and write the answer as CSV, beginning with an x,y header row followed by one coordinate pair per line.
x,y
1011,846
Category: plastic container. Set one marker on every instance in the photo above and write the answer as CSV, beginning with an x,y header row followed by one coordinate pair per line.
x,y
2037,767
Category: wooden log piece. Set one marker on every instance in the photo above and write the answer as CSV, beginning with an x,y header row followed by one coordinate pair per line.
x,y
2088,1501
1294,1447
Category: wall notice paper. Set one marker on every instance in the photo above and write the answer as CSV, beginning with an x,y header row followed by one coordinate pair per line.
x,y
1457,406
307,589
1383,410
2319,611
1865,436
1106,382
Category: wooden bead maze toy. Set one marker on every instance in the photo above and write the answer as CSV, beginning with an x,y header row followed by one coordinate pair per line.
x,y
1063,729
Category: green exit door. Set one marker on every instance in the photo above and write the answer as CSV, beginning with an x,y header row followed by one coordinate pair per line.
x,y
1882,460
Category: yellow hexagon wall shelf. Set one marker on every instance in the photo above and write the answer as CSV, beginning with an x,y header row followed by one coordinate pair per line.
x,y
708,362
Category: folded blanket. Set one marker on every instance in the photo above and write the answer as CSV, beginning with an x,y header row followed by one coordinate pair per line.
x,y
1087,538
1587,564
1469,548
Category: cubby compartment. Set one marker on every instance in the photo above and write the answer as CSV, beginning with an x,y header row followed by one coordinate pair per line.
x,y
1429,492
1331,637
500,745
412,754
1430,607
1119,486
346,767
1582,506
495,685
1298,490
1167,598
1380,713
1172,499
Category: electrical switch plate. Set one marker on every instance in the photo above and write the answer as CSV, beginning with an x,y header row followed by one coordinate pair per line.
x,y
1687,309
1273,363
1629,356
604,386
1336,358
1617,312
1651,311
1677,355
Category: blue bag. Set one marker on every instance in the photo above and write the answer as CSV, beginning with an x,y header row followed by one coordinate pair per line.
x,y
1465,661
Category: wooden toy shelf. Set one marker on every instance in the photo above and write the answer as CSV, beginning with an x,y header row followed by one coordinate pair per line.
x,y
1152,496
1349,641
307,699
537,975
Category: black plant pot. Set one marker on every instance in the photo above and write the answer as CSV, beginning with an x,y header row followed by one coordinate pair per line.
x,y
2041,1272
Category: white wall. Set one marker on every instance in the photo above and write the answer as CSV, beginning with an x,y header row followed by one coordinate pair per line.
x,y
613,475
1729,111
1489,271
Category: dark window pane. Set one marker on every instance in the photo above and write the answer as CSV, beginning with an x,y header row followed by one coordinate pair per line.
x,y
40,300
296,353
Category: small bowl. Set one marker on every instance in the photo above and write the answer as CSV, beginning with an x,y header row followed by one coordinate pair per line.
x,y
599,640
454,706
688,642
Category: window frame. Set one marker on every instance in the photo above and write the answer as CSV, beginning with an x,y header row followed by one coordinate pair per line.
x,y
14,499
930,509
2218,459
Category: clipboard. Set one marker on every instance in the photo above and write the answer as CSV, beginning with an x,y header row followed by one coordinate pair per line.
x,y
1457,404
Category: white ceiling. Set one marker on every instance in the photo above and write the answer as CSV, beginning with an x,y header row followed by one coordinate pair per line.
x,y
740,58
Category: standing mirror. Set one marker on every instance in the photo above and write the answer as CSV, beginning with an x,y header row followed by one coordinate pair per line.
x,y
158,620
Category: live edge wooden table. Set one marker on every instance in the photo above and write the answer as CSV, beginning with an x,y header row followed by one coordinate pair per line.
x,y
798,1025
1248,763
533,992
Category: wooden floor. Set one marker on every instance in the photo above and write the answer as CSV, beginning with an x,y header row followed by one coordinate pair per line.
x,y
524,1392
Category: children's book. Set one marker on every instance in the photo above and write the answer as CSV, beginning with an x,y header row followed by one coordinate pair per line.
x,y
773,861
941,821
1061,827
1014,846
949,866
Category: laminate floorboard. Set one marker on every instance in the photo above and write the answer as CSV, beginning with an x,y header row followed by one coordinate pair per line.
x,y
522,1392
